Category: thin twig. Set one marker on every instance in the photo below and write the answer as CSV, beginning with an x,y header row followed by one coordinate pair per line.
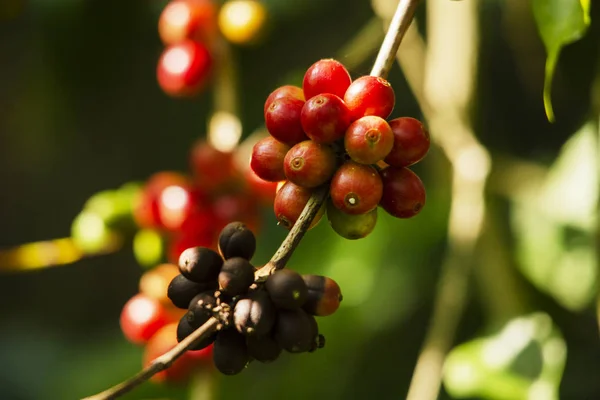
x,y
53,253
289,244
404,15
159,364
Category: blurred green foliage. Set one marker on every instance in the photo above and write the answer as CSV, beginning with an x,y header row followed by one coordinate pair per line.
x,y
80,112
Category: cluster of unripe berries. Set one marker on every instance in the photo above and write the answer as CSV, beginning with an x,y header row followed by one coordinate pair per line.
x,y
334,131
191,29
259,320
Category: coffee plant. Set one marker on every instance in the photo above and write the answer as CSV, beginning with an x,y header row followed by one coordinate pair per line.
x,y
428,182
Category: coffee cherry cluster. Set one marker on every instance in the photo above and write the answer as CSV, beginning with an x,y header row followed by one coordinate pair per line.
x,y
183,211
334,131
177,211
259,319
190,31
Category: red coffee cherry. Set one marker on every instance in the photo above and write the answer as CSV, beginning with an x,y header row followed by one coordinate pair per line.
x,y
369,139
187,19
309,164
325,118
210,167
141,317
146,209
178,203
282,119
403,192
229,207
183,68
284,91
411,142
267,159
370,95
326,76
356,188
196,231
289,202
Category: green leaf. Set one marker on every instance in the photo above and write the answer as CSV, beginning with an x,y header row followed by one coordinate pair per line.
x,y
559,22
525,360
555,228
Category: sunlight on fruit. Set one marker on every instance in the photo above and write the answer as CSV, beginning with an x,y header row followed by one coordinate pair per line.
x,y
224,131
174,197
242,21
279,185
176,60
141,310
177,14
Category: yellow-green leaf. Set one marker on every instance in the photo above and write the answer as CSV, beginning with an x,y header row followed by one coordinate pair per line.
x,y
559,22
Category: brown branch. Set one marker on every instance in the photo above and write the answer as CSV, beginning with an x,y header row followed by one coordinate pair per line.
x,y
385,58
289,244
405,11
159,364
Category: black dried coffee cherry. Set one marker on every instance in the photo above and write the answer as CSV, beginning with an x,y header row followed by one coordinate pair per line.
x,y
237,240
200,264
296,331
236,275
230,353
255,314
287,289
181,291
184,329
263,348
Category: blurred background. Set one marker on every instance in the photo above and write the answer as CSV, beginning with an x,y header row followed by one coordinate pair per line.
x,y
81,112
